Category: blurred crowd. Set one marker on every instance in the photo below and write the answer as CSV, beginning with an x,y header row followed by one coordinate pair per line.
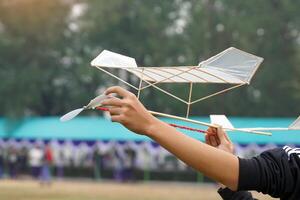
x,y
43,160
17,161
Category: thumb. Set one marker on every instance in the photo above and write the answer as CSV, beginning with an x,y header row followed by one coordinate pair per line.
x,y
117,90
221,134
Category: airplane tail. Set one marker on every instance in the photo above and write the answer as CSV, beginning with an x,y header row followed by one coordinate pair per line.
x,y
295,125
221,120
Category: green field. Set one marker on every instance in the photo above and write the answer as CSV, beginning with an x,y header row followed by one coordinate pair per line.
x,y
86,190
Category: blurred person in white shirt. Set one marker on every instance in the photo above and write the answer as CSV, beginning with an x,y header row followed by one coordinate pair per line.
x,y
35,159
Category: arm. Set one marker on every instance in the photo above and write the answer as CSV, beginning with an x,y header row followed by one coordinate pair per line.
x,y
214,163
273,172
218,138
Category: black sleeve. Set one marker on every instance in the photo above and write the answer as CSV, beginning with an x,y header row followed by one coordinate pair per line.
x,y
273,172
228,194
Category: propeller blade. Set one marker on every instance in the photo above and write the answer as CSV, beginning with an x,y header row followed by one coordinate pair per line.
x,y
97,101
71,115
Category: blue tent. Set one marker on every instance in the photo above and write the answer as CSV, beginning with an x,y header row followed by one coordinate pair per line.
x,y
3,131
96,128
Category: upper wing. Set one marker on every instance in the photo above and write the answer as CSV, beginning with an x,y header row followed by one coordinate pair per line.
x,y
184,74
231,66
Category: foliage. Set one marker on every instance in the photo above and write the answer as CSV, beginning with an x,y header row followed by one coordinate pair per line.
x,y
46,47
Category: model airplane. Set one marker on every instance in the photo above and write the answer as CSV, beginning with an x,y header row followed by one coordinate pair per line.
x,y
232,67
220,120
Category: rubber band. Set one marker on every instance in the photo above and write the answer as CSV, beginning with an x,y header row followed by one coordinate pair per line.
x,y
173,125
188,128
102,109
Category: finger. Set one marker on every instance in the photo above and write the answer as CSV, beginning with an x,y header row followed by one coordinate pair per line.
x,y
221,134
210,142
116,118
218,140
118,90
214,131
213,141
211,131
113,101
227,138
115,111
207,141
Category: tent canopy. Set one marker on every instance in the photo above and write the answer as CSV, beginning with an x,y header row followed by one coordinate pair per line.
x,y
97,128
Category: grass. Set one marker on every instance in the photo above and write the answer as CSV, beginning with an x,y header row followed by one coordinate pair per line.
x,y
84,190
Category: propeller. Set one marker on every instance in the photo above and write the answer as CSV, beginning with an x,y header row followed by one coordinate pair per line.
x,y
71,115
92,105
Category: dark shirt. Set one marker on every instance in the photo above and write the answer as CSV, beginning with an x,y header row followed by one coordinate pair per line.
x,y
275,172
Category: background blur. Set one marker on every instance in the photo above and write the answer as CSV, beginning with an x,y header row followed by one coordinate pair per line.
x,y
46,48
45,51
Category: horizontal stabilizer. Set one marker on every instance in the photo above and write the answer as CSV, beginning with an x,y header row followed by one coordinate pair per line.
x,y
221,120
295,125
110,59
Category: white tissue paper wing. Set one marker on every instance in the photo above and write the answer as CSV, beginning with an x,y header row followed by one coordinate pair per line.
x,y
71,115
110,59
234,62
221,120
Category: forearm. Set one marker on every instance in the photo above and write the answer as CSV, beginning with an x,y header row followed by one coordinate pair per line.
x,y
216,164
219,165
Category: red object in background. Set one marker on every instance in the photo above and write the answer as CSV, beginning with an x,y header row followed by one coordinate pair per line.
x,y
48,155
174,125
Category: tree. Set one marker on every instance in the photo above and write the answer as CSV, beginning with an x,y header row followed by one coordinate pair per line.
x,y
46,48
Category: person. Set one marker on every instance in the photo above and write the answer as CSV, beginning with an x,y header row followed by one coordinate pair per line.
x,y
129,163
12,159
45,174
35,160
117,157
275,172
97,162
2,156
22,160
58,158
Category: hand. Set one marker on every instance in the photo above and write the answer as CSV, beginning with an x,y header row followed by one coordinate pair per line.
x,y
129,111
218,138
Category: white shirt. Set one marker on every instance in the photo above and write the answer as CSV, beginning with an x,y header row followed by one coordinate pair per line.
x,y
36,157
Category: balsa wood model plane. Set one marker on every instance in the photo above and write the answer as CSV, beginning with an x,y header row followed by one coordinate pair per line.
x,y
232,67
